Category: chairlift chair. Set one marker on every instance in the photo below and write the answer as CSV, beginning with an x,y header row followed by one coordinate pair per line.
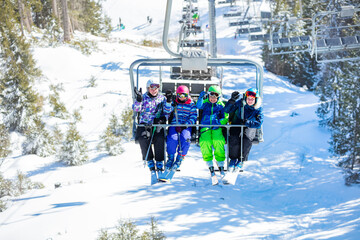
x,y
184,69
341,43
195,85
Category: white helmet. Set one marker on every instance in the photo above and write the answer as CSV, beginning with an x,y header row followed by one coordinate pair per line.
x,y
152,81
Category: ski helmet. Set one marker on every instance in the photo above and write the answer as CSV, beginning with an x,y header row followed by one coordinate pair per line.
x,y
182,89
215,89
252,92
152,81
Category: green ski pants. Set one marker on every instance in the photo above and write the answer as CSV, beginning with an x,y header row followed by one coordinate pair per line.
x,y
209,139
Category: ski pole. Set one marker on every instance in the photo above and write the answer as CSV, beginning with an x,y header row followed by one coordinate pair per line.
x,y
242,131
147,153
152,135
177,122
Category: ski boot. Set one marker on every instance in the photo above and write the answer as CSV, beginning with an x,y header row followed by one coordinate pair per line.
x,y
178,161
170,161
222,173
160,166
232,164
151,165
220,165
238,167
163,176
212,171
214,180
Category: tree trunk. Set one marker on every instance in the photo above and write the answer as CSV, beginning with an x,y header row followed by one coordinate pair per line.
x,y
21,12
66,23
28,19
55,10
25,17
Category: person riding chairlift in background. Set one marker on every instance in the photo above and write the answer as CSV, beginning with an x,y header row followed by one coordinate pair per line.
x,y
212,137
184,111
252,119
150,106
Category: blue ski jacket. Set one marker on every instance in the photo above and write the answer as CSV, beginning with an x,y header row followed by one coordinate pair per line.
x,y
186,112
213,113
253,115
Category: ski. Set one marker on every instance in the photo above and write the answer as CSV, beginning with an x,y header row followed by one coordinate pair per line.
x,y
167,175
231,176
214,180
154,178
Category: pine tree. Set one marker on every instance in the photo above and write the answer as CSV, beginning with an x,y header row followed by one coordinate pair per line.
x,y
154,233
126,124
18,100
91,16
46,17
4,141
74,148
57,136
38,140
111,139
345,137
58,107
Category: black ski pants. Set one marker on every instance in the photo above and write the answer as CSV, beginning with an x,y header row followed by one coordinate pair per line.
x,y
234,144
143,136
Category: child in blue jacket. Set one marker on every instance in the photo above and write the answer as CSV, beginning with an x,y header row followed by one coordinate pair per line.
x,y
252,119
184,113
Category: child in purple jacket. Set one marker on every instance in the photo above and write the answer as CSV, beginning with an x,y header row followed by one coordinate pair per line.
x,y
150,106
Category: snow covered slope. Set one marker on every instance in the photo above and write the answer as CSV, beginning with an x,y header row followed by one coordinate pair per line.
x,y
290,189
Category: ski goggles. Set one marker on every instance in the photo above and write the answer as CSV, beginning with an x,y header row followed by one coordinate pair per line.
x,y
182,95
213,94
154,86
250,94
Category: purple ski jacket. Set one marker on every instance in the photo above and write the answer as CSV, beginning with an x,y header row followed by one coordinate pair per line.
x,y
149,107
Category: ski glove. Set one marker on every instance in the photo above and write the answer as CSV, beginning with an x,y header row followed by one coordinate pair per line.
x,y
146,133
169,96
138,95
159,121
203,95
242,121
234,96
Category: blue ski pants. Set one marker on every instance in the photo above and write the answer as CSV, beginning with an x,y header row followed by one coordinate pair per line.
x,y
172,141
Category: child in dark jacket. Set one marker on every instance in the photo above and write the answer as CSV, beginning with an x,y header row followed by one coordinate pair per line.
x,y
178,139
212,137
252,119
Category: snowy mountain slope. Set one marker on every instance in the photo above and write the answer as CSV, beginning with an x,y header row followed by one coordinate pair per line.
x,y
290,189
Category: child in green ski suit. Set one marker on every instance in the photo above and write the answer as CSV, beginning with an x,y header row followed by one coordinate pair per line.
x,y
213,113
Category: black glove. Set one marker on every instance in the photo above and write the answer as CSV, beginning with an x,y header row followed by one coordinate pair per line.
x,y
146,133
234,96
161,120
169,96
138,95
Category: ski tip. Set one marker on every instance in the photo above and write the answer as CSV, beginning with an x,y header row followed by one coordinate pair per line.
x,y
164,180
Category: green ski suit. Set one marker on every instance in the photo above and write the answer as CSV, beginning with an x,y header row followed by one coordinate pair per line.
x,y
213,113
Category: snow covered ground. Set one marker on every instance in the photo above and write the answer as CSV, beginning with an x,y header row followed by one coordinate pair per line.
x,y
290,189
